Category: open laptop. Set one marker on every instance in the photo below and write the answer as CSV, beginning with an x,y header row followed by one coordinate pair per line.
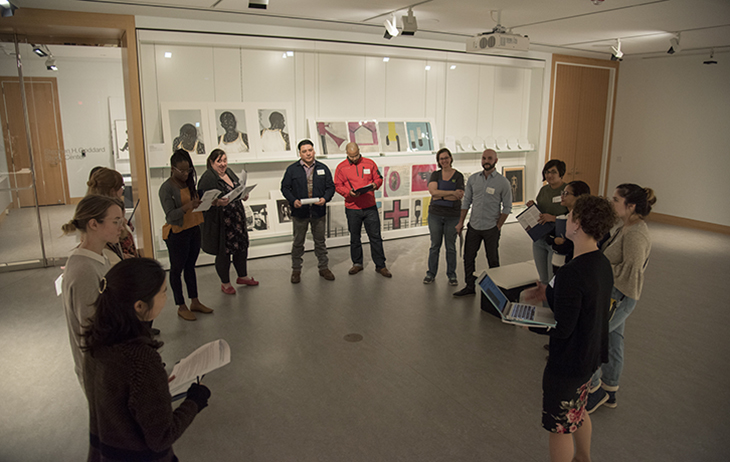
x,y
515,313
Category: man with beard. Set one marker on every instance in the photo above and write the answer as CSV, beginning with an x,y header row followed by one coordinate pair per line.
x,y
490,196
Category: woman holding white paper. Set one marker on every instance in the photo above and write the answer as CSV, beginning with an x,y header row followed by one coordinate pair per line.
x,y
224,231
181,232
561,245
130,411
548,201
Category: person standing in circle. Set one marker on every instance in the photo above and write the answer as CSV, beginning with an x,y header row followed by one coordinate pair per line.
x,y
99,220
181,232
225,234
548,202
130,411
628,250
446,187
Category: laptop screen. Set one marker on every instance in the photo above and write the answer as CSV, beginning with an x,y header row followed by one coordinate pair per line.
x,y
492,292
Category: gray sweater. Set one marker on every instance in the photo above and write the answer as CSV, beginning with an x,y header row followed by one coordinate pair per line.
x,y
171,202
84,270
628,251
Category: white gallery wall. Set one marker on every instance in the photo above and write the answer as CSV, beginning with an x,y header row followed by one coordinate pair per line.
x,y
671,134
85,85
463,95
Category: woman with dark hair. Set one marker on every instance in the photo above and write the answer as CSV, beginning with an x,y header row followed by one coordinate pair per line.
x,y
181,232
446,187
225,234
108,182
562,246
130,412
548,202
579,296
99,220
628,250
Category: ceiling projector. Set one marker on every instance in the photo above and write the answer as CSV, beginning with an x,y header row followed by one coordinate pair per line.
x,y
491,41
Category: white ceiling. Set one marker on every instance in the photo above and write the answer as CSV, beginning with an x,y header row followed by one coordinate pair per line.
x,y
566,26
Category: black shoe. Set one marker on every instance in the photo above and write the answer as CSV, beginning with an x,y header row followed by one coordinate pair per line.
x,y
465,291
155,331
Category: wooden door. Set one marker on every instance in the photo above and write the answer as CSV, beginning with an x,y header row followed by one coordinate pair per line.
x,y
580,106
49,160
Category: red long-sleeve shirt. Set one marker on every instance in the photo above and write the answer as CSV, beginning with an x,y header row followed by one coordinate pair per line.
x,y
349,176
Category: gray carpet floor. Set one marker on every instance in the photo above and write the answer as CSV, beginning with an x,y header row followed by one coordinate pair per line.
x,y
434,378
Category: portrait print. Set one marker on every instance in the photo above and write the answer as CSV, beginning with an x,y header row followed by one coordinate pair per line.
x,y
186,128
231,132
274,131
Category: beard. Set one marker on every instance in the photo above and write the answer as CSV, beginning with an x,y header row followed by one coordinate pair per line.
x,y
488,166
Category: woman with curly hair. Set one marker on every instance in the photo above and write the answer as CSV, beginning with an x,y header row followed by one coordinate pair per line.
x,y
579,296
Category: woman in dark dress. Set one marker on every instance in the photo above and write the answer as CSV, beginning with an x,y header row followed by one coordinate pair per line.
x,y
224,230
579,296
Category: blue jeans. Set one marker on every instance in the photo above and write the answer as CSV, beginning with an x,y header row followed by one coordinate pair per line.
x,y
543,252
442,229
370,218
610,373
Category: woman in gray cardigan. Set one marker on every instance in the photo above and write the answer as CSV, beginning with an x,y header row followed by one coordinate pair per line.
x,y
628,251
182,232
225,234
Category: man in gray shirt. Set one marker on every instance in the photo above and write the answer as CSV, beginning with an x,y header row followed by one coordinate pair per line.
x,y
490,196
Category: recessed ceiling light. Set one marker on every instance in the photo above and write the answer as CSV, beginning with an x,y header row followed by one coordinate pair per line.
x,y
453,66
428,68
386,59
168,54
290,53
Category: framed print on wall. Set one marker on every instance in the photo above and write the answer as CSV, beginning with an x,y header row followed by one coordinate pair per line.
x,y
420,136
121,141
516,178
275,124
420,174
393,137
365,134
329,136
185,126
230,125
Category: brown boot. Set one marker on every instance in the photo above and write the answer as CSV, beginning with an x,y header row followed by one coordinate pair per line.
x,y
185,313
197,306
327,274
296,277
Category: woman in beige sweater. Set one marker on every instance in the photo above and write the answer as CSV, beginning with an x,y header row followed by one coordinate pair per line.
x,y
628,250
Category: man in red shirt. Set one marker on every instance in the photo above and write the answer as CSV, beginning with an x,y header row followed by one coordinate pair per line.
x,y
355,179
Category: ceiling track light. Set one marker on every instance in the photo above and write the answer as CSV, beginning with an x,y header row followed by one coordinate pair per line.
x,y
391,30
674,46
410,25
7,9
712,58
51,64
617,54
39,50
258,4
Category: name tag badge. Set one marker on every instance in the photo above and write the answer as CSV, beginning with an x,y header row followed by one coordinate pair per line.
x,y
556,199
490,190
320,171
366,171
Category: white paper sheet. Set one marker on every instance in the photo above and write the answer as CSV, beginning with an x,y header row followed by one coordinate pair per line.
x,y
309,200
208,198
207,358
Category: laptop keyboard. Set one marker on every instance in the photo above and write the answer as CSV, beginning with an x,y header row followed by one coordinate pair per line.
x,y
520,311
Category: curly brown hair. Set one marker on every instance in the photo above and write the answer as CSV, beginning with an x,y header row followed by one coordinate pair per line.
x,y
594,214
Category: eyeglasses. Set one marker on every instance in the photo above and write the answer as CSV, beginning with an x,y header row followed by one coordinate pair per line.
x,y
566,193
183,171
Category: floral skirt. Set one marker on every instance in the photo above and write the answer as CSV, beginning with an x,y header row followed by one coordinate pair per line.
x,y
563,402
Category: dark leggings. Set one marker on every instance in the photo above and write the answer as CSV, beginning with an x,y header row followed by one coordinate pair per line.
x,y
183,249
223,265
